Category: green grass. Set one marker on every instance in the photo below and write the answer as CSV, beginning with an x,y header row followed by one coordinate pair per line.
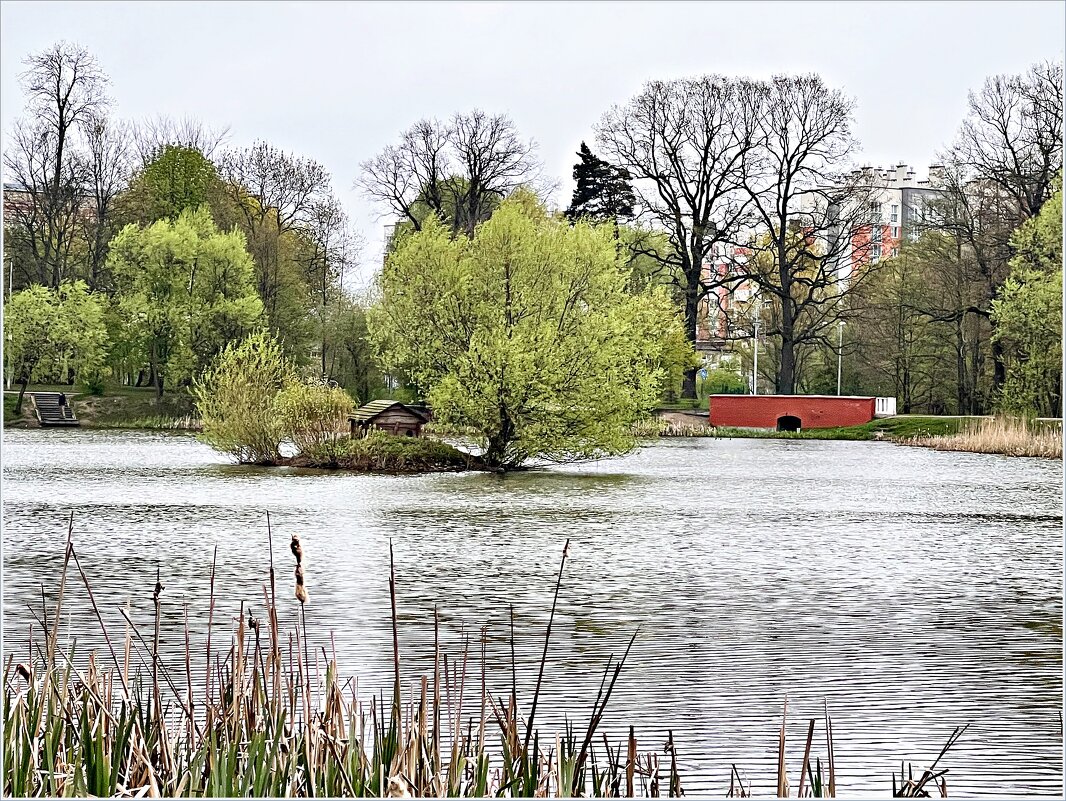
x,y
135,407
9,409
117,407
684,405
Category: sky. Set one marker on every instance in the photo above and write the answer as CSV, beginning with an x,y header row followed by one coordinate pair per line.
x,y
337,81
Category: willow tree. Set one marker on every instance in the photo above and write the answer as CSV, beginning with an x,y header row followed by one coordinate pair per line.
x,y
185,290
526,334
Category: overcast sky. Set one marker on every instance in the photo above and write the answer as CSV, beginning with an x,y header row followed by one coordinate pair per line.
x,y
337,81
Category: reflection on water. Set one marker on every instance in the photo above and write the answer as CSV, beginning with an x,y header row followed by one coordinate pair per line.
x,y
912,589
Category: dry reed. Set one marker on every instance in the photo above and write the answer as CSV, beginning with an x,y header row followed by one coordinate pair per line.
x,y
261,727
662,427
1008,436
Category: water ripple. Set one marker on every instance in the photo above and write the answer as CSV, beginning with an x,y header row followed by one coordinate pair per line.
x,y
911,590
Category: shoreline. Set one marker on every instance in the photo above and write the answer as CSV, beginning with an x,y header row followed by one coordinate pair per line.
x,y
135,409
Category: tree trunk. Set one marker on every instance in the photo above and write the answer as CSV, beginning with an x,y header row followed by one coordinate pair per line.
x,y
786,370
692,310
157,374
495,453
22,393
999,368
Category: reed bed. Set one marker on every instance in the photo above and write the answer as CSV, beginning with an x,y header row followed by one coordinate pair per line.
x,y
650,427
184,423
1008,436
260,723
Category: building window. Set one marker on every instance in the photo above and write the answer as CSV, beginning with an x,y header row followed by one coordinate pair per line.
x,y
895,213
875,253
895,232
875,234
895,252
875,212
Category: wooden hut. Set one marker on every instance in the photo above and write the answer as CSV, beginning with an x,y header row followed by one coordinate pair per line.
x,y
391,416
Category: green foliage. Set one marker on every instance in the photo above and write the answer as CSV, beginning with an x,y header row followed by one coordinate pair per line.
x,y
723,381
235,399
177,179
382,452
313,415
353,365
53,333
251,401
1028,316
526,333
185,291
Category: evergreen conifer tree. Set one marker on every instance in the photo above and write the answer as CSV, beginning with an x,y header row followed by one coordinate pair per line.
x,y
603,193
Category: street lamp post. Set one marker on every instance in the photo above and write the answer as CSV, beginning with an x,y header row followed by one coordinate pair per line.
x,y
840,350
755,365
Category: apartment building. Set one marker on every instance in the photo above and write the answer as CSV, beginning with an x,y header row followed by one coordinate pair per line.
x,y
898,211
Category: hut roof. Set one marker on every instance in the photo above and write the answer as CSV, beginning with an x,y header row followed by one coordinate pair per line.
x,y
364,414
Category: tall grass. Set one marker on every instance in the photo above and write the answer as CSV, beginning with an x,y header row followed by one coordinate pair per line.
x,y
263,723
1003,435
649,427
186,422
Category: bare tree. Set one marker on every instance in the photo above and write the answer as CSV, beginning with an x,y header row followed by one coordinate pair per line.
x,y
332,251
153,135
805,211
40,218
66,89
275,192
107,173
1012,136
407,178
458,171
493,160
683,142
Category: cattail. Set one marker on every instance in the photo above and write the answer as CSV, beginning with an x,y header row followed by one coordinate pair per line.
x,y
297,551
23,671
399,787
301,591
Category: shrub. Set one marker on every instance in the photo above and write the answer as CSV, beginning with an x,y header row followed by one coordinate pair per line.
x,y
235,399
721,381
314,415
382,452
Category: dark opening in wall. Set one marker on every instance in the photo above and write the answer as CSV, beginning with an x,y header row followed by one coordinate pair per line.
x,y
788,423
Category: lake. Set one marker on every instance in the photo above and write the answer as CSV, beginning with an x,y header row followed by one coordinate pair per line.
x,y
912,590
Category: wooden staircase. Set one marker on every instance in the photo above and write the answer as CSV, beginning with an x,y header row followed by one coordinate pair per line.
x,y
48,412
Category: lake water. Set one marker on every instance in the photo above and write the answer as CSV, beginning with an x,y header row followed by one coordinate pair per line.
x,y
912,590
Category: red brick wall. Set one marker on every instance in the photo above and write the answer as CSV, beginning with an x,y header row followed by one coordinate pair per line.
x,y
814,411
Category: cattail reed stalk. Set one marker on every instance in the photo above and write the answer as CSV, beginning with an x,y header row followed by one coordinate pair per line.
x,y
188,679
62,586
544,655
155,648
832,760
210,620
395,638
631,762
256,743
805,766
782,778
